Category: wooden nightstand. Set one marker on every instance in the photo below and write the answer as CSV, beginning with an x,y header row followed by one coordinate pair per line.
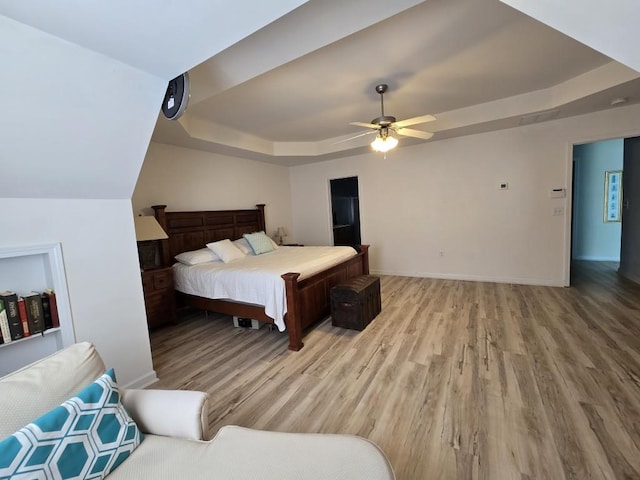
x,y
159,296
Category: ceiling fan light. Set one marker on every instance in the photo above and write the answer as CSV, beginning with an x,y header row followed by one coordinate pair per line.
x,y
384,144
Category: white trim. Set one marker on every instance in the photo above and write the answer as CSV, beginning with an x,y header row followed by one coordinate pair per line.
x,y
629,276
53,253
143,381
37,346
475,278
568,217
592,258
330,203
569,180
59,279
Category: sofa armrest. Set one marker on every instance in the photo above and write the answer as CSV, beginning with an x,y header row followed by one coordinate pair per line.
x,y
170,413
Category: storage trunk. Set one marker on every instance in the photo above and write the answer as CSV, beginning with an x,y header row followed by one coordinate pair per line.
x,y
356,302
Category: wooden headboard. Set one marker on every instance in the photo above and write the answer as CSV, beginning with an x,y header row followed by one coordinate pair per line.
x,y
193,230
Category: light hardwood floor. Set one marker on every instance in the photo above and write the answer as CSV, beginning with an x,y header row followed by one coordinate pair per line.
x,y
454,380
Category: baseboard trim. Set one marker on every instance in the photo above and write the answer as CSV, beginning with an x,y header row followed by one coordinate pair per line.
x,y
590,258
629,276
476,278
144,381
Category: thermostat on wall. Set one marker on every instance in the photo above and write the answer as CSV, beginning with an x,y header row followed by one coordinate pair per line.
x,y
557,193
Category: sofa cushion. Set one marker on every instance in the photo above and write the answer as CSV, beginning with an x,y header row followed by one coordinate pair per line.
x,y
86,437
33,390
243,453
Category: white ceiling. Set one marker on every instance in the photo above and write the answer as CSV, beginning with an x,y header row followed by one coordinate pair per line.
x,y
163,38
287,93
83,82
286,77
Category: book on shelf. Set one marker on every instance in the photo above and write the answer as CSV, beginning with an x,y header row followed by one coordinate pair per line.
x,y
22,311
35,314
10,300
53,307
46,311
4,324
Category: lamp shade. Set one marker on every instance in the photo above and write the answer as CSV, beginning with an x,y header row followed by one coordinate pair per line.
x,y
148,228
384,143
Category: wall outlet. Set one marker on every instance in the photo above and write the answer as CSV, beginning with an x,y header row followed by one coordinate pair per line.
x,y
246,323
441,253
558,211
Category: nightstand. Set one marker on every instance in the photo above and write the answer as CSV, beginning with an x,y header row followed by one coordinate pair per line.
x,y
159,296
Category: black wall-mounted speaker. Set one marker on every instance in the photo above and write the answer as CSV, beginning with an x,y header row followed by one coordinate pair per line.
x,y
177,97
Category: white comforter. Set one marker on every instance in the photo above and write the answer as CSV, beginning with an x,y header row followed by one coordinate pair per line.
x,y
256,279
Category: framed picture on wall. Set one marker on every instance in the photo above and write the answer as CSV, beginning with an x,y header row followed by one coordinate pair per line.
x,y
613,196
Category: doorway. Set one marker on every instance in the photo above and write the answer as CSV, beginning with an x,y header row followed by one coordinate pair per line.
x,y
345,211
630,251
594,236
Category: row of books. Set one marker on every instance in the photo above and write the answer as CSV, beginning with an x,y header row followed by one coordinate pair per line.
x,y
25,315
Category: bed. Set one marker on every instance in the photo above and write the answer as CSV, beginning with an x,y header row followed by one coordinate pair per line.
x,y
307,297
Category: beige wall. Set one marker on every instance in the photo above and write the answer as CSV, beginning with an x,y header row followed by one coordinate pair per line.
x,y
443,196
102,274
70,153
186,179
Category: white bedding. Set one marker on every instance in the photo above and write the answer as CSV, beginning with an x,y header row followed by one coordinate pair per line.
x,y
256,279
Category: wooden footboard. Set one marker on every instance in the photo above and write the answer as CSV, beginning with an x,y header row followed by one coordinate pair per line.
x,y
307,300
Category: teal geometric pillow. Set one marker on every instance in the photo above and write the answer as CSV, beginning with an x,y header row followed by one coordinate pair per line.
x,y
86,437
259,242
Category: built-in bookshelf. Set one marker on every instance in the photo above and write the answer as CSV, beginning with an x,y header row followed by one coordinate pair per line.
x,y
35,268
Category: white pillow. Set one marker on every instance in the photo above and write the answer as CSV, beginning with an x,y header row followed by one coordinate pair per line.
x,y
226,250
244,246
195,257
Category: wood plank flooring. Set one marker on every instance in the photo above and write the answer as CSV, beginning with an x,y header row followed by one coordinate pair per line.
x,y
454,380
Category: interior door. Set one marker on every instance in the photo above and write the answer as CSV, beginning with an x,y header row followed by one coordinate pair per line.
x,y
345,209
630,243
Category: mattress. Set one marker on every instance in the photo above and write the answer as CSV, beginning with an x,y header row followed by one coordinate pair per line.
x,y
256,279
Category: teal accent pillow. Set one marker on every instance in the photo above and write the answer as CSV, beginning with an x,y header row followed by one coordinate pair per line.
x,y
86,437
259,242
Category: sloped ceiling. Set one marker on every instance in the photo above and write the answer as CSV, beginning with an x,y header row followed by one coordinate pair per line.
x,y
276,81
164,39
83,83
610,27
287,93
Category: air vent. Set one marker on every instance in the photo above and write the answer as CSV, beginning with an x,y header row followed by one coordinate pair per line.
x,y
539,117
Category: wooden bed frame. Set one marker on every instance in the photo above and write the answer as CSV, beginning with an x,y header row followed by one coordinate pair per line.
x,y
307,300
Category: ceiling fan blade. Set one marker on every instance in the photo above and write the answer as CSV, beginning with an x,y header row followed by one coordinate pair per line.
x,y
409,132
414,121
365,125
353,138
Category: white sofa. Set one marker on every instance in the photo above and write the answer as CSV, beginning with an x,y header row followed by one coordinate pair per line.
x,y
175,428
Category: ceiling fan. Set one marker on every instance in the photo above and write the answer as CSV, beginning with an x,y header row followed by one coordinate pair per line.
x,y
385,124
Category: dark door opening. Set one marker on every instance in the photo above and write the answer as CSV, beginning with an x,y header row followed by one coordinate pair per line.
x,y
594,237
630,250
345,211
